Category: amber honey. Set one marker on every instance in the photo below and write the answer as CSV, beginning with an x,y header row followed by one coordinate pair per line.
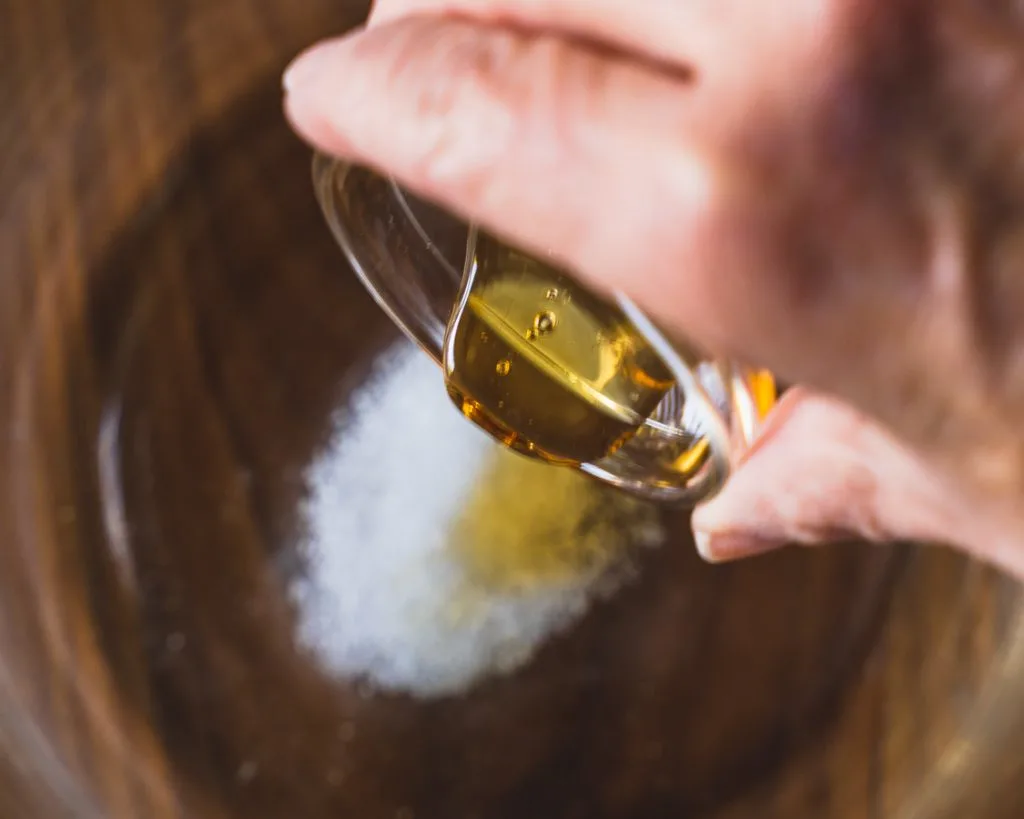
x,y
549,368
545,366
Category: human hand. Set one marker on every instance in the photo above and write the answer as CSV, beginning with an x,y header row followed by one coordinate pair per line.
x,y
822,472
782,176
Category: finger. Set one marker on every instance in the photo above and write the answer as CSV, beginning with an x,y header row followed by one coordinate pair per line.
x,y
821,472
550,144
624,173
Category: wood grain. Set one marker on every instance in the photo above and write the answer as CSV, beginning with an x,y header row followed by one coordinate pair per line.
x,y
174,315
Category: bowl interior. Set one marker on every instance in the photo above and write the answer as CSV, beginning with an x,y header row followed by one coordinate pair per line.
x,y
212,597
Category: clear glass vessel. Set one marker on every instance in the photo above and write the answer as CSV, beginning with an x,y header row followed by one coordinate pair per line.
x,y
538,361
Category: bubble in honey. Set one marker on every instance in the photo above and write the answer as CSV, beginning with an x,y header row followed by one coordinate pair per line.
x,y
503,367
575,396
544,322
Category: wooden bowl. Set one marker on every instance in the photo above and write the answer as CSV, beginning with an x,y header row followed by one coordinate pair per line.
x,y
177,334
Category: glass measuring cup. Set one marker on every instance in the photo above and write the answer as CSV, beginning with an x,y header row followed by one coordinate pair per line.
x,y
422,267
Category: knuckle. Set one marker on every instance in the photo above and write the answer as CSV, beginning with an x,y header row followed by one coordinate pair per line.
x,y
843,508
460,85
861,489
486,104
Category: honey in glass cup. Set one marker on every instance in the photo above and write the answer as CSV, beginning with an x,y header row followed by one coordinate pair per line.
x,y
541,363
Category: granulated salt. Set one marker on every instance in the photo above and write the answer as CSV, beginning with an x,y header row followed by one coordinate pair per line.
x,y
437,558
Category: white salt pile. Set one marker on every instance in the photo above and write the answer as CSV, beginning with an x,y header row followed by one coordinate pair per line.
x,y
436,558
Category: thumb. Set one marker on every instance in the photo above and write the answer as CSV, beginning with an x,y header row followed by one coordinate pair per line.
x,y
822,472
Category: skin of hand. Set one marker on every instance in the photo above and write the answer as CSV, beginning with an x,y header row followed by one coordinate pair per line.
x,y
832,189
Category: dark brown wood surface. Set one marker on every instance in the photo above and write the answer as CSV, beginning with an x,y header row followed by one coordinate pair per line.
x,y
162,264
